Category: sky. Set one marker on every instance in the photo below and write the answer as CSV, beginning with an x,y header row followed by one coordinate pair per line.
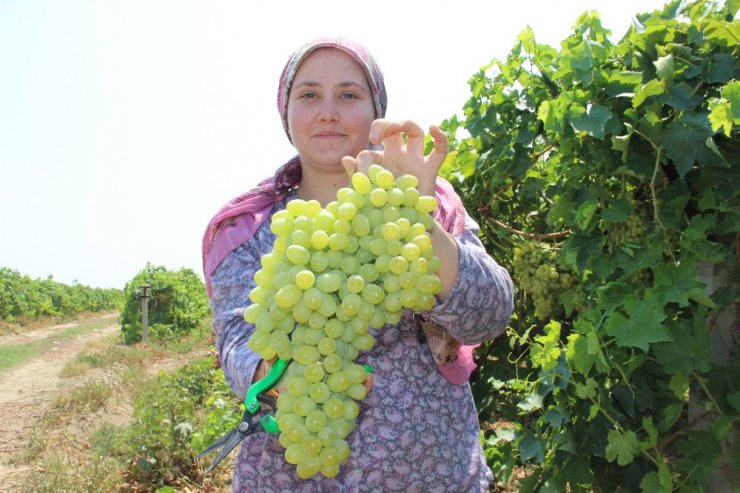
x,y
125,125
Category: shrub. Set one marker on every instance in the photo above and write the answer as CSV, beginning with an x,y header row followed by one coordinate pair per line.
x,y
177,303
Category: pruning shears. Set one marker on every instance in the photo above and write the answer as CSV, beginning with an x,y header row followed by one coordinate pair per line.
x,y
249,424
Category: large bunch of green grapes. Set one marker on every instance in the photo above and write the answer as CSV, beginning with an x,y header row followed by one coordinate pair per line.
x,y
537,274
631,231
335,275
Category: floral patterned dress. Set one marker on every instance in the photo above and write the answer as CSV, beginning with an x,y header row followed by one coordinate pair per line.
x,y
416,431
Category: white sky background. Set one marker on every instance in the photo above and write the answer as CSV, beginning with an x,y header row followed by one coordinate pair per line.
x,y
124,126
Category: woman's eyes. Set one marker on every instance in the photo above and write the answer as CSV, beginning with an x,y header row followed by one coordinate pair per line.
x,y
344,95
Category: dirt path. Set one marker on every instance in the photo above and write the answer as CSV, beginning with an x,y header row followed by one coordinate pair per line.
x,y
25,391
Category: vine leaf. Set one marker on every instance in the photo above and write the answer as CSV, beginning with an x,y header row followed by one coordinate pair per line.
x,y
685,140
658,482
622,447
674,282
652,88
641,327
721,117
591,120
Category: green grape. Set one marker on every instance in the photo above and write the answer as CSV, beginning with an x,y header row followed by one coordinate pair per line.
x,y
308,467
319,239
315,422
303,405
391,284
325,222
398,265
333,407
359,325
391,232
361,182
265,323
382,263
362,342
329,456
319,392
350,265
361,225
372,293
326,346
356,391
384,179
312,209
333,363
394,248
356,373
351,304
391,214
395,197
296,207
298,255
297,386
294,454
377,247
338,241
407,280
305,279
252,312
316,320
342,448
355,283
411,252
282,226
314,372
334,328
347,211
301,237
327,436
328,282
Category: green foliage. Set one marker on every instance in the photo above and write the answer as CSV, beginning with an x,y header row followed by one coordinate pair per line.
x,y
177,303
615,165
23,298
165,414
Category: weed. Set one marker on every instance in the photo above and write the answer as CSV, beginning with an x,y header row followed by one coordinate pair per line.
x,y
74,369
88,397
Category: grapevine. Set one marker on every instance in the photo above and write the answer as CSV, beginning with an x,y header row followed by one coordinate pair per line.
x,y
335,275
615,162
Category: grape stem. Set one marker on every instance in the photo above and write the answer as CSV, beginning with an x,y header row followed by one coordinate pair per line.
x,y
531,236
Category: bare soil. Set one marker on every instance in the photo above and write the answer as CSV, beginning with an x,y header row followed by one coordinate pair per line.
x,y
27,391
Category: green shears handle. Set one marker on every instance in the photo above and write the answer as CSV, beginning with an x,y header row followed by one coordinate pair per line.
x,y
263,385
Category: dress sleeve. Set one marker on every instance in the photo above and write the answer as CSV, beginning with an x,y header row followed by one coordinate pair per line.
x,y
231,283
482,299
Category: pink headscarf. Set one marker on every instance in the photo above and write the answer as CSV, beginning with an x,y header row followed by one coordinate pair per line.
x,y
237,221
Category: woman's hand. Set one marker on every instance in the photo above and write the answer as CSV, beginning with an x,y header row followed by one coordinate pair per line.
x,y
401,157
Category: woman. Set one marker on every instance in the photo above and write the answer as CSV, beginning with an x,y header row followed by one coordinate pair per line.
x,y
418,428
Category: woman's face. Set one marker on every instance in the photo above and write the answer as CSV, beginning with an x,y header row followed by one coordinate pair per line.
x,y
330,110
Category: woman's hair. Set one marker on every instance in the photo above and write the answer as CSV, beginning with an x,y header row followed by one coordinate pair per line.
x,y
355,50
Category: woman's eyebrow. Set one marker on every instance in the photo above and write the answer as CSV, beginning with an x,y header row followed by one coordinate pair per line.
x,y
310,83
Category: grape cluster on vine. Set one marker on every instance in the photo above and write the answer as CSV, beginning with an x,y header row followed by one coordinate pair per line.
x,y
630,231
537,274
333,275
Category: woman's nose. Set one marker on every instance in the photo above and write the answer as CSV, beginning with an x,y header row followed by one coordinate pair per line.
x,y
328,110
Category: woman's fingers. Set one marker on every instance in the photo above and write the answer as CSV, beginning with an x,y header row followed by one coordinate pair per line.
x,y
438,154
349,164
391,134
368,383
365,159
